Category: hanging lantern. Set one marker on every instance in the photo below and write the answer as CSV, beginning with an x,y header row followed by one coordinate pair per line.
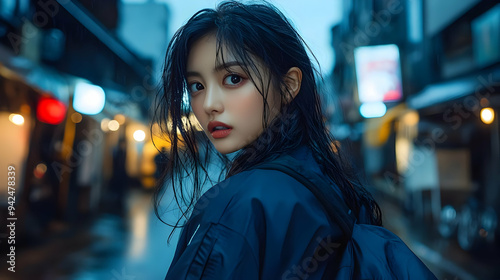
x,y
51,110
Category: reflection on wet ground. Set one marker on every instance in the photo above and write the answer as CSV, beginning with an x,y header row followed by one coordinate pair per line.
x,y
111,247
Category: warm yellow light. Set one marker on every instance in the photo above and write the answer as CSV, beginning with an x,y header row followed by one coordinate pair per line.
x,y
76,117
487,115
139,135
411,118
40,170
195,122
484,102
113,125
41,167
25,109
156,129
16,119
120,119
104,124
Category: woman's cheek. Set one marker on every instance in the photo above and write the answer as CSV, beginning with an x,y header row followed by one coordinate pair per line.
x,y
248,105
246,110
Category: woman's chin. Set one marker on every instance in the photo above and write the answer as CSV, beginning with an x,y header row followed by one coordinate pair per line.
x,y
225,146
225,149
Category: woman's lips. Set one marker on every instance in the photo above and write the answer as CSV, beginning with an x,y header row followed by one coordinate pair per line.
x,y
221,133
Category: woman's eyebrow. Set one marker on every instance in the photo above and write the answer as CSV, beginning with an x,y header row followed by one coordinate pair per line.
x,y
192,73
226,65
218,68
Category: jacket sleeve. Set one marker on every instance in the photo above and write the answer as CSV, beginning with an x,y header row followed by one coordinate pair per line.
x,y
216,253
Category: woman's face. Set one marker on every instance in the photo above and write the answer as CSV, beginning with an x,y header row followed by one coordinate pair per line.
x,y
230,97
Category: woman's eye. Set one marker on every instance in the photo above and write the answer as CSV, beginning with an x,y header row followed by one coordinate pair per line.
x,y
233,79
194,87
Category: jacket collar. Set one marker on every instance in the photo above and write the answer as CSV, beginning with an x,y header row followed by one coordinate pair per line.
x,y
304,154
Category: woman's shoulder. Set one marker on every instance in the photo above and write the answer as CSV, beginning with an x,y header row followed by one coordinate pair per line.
x,y
253,187
271,187
259,195
263,186
270,197
274,186
251,192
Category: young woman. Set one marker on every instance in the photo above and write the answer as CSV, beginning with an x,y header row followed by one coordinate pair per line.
x,y
252,87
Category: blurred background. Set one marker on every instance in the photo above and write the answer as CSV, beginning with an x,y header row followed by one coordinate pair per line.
x,y
411,91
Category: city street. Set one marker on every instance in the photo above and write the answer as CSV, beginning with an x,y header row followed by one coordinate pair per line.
x,y
136,248
105,103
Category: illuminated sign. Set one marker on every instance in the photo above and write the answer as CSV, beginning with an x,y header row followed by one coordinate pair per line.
x,y
88,99
51,110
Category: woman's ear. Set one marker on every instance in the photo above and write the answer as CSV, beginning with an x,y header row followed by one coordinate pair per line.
x,y
293,80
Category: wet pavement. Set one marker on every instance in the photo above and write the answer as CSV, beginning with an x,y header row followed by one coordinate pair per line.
x,y
111,247
443,256
135,247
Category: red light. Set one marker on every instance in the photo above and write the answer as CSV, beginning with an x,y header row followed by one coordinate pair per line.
x,y
50,110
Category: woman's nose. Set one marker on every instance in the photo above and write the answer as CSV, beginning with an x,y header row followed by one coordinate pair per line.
x,y
213,100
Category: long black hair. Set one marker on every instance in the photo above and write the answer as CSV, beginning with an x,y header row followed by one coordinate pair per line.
x,y
250,32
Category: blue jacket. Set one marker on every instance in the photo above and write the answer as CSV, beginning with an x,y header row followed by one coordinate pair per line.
x,y
258,224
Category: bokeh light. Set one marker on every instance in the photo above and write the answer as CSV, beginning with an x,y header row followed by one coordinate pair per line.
x,y
40,170
139,135
76,117
88,99
104,125
372,109
16,119
487,115
113,125
120,119
50,110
